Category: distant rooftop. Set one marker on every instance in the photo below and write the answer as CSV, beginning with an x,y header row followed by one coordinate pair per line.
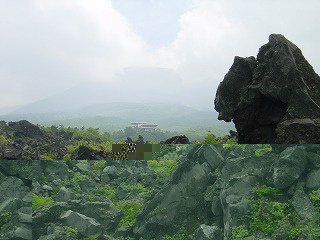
x,y
144,125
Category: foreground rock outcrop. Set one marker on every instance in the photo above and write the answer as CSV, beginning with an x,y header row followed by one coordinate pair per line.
x,y
220,192
233,193
274,98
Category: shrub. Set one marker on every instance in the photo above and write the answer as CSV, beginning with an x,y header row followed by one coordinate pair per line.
x,y
4,218
70,231
107,191
3,139
266,213
239,232
263,148
177,236
138,188
38,201
162,167
67,156
315,198
99,165
129,209
90,238
47,156
211,139
263,191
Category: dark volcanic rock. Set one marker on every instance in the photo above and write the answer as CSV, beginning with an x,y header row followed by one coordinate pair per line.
x,y
177,140
86,153
140,140
274,98
24,128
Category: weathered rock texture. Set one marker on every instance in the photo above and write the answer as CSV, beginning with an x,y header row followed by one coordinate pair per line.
x,y
212,192
274,98
15,200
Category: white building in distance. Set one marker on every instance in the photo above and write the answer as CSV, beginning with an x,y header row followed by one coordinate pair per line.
x,y
146,126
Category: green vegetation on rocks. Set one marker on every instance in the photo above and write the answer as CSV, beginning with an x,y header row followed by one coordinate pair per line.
x,y
38,201
129,209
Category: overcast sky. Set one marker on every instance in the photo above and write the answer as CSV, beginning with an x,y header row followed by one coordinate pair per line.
x,y
48,46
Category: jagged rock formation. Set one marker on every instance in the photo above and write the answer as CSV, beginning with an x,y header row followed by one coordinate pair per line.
x,y
274,98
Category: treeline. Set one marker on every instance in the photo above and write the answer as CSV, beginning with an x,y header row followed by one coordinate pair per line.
x,y
154,137
59,142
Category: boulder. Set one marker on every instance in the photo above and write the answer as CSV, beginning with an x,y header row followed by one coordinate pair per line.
x,y
22,169
103,212
22,232
274,98
11,152
302,204
87,153
288,168
140,140
112,172
85,225
177,140
180,203
205,232
313,179
64,195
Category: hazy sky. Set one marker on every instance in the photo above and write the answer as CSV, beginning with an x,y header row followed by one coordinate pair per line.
x,y
48,46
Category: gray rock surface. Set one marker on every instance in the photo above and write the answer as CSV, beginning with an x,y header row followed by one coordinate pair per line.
x,y
205,232
211,192
85,225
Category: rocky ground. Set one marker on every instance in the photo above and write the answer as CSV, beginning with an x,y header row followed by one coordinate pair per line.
x,y
23,140
199,192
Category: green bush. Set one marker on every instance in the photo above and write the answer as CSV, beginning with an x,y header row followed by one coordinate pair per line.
x,y
99,165
67,156
70,231
264,191
129,209
3,139
138,188
266,213
90,238
211,139
239,232
315,198
163,167
47,156
38,201
263,148
107,191
5,218
177,236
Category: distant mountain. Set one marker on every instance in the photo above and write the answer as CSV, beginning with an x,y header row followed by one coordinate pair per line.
x,y
118,115
135,85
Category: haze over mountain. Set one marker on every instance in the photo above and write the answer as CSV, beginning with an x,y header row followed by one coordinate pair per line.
x,y
137,85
